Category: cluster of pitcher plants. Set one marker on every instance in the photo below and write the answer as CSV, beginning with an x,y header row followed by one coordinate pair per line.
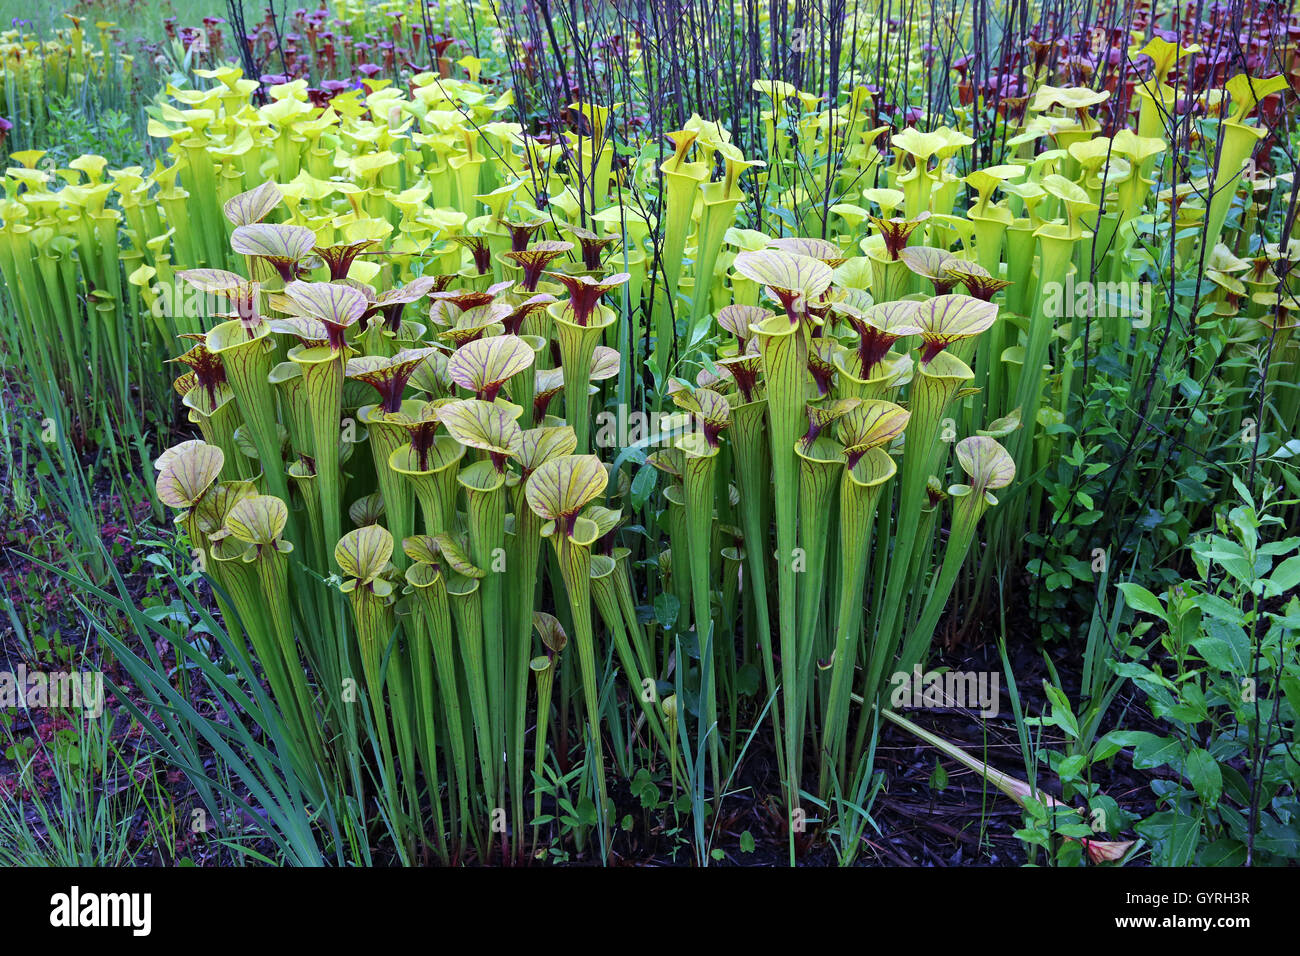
x,y
401,443
383,322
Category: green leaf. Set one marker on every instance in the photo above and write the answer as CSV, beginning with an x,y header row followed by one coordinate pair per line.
x,y
785,271
643,485
1071,767
1202,771
488,426
187,471
1141,674
488,362
1140,599
330,302
948,318
1217,607
363,553
562,487
747,680
1224,646
1224,852
1285,577
667,608
1080,831
1149,750
254,205
1062,714
272,241
1174,836
938,777
1036,837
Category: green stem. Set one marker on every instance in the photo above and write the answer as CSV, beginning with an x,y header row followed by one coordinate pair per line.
x,y
785,359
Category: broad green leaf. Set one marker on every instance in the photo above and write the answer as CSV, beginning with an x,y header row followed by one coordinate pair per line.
x,y
490,426
1062,714
212,280
947,318
1175,837
540,445
666,608
986,462
1285,577
1214,606
1140,599
254,205
330,302
1149,750
562,487
737,319
188,473
421,548
276,242
364,553
258,519
785,272
643,484
550,630
928,262
457,557
1224,646
485,364
819,249
1202,771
